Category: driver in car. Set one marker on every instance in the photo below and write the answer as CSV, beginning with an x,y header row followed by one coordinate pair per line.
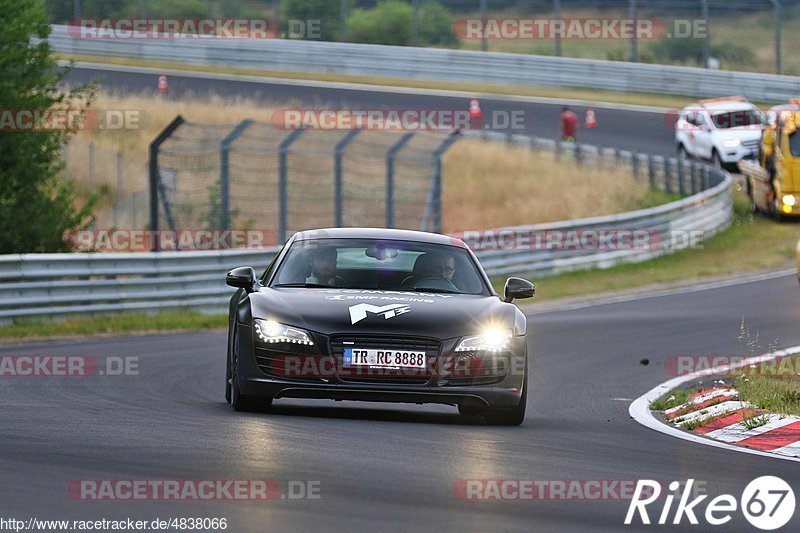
x,y
323,267
445,267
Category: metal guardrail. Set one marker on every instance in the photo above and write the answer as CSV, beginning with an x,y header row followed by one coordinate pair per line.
x,y
438,65
60,284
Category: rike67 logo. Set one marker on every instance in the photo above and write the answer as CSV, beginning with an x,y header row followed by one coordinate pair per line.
x,y
767,503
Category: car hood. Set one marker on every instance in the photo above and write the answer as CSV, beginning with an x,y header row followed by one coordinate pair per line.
x,y
356,311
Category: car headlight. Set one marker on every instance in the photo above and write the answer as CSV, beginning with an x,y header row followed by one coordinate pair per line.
x,y
491,340
271,331
790,200
732,143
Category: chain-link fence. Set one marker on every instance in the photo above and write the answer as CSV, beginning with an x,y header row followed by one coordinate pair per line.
x,y
252,175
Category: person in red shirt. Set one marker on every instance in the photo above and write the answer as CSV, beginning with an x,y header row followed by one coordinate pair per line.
x,y
569,124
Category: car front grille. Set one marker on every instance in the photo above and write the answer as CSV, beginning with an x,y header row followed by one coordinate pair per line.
x,y
431,347
751,145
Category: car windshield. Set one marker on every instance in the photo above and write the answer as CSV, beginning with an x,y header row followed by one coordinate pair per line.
x,y
794,144
379,265
736,119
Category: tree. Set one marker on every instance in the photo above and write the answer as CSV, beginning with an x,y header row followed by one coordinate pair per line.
x,y
37,208
327,12
388,23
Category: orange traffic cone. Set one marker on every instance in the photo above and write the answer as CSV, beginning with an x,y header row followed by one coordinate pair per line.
x,y
591,119
163,86
475,114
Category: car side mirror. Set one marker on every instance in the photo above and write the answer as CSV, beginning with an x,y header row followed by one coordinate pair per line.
x,y
518,288
242,278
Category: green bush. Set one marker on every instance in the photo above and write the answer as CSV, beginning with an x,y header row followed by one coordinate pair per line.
x,y
388,23
37,209
734,54
678,50
391,21
435,25
328,12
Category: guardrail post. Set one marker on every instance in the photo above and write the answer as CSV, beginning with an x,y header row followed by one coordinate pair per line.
x,y
694,177
651,171
224,171
705,178
635,165
338,154
681,176
667,177
434,204
154,178
283,182
390,157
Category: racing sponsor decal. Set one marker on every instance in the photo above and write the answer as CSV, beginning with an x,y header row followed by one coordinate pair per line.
x,y
392,296
359,312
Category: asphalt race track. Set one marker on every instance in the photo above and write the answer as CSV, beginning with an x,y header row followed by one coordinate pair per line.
x,y
388,467
646,132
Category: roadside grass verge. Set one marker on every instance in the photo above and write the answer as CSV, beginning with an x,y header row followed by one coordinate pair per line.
x,y
559,93
490,184
753,243
671,399
775,394
122,324
486,183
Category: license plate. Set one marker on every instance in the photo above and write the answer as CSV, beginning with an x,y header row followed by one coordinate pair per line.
x,y
384,358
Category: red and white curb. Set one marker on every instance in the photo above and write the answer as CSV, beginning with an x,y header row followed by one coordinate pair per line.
x,y
716,416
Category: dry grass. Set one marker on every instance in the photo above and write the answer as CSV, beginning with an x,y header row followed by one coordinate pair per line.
x,y
489,185
486,184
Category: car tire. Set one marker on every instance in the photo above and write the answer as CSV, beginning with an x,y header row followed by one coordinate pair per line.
x,y
753,206
242,402
248,404
228,372
496,416
716,160
776,210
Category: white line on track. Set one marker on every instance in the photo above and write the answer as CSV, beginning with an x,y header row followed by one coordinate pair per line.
x,y
530,309
640,408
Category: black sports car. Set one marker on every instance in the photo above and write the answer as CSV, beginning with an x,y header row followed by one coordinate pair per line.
x,y
378,315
